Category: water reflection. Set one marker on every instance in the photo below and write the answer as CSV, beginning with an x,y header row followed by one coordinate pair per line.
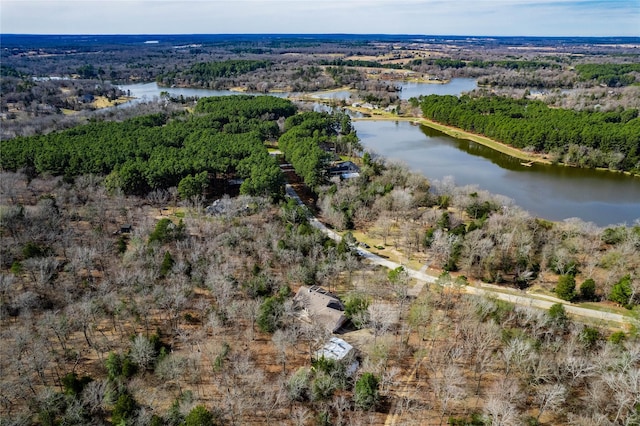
x,y
149,91
553,192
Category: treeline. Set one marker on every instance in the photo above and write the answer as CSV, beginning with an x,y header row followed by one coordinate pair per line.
x,y
208,71
157,151
610,74
585,138
246,106
359,63
445,63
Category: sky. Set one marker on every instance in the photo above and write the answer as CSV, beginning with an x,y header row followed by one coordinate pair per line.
x,y
428,17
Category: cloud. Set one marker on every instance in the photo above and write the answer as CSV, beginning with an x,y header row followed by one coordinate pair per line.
x,y
462,17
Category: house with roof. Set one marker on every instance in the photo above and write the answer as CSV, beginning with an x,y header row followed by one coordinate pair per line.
x,y
317,304
345,169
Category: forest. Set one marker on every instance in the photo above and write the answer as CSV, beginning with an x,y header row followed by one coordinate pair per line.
x,y
158,152
150,256
189,318
46,77
609,74
580,138
202,73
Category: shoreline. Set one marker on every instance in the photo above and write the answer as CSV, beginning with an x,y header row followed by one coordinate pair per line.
x,y
527,158
461,134
488,142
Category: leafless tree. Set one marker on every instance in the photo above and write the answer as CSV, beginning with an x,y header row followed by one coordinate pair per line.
x,y
382,318
448,387
142,352
170,370
300,416
549,397
518,352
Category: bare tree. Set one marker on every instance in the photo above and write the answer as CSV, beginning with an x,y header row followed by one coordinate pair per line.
x,y
549,397
448,387
382,318
142,352
518,352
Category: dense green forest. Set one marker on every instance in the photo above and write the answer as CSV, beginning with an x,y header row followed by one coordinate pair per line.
x,y
306,133
157,151
582,138
610,74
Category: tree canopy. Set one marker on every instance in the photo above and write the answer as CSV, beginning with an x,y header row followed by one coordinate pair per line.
x,y
224,136
204,72
307,138
585,138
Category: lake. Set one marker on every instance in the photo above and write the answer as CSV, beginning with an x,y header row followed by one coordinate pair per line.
x,y
548,191
552,192
149,91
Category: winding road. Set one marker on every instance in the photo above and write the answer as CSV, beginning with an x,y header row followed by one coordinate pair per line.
x,y
476,288
408,381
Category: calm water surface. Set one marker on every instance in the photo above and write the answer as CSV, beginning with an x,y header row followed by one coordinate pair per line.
x,y
149,91
455,87
552,192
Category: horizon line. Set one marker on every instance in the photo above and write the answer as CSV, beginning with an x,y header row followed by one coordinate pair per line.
x,y
319,34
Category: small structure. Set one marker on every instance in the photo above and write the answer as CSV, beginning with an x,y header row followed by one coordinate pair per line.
x,y
340,351
345,169
318,304
125,229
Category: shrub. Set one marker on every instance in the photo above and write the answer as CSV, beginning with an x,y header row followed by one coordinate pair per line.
x,y
166,265
366,391
32,249
621,292
73,384
166,231
323,387
119,366
123,409
589,337
199,416
396,275
618,337
298,385
588,290
614,235
355,309
558,315
566,287
121,244
270,313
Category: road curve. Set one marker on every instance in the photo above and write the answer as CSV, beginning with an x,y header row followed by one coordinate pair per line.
x,y
423,278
